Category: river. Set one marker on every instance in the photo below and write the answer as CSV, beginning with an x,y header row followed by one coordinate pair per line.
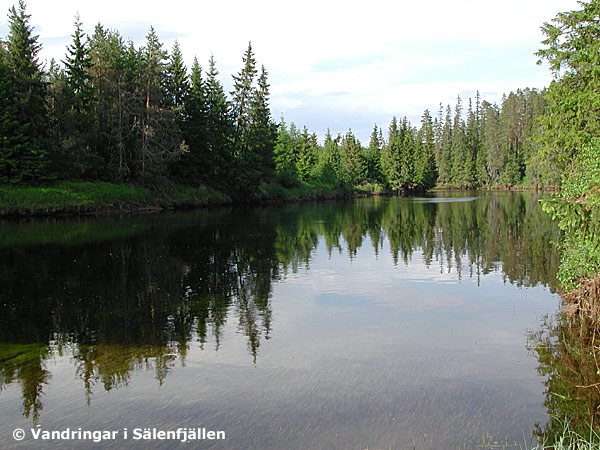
x,y
371,323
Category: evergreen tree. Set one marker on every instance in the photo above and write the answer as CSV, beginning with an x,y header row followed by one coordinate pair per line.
x,y
372,156
220,128
407,154
351,159
307,155
390,155
425,169
177,81
13,132
572,122
29,162
77,118
160,141
262,129
490,145
247,169
286,172
445,152
332,159
460,175
78,63
473,142
511,135
196,165
116,104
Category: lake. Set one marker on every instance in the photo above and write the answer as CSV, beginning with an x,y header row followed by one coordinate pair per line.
x,y
372,323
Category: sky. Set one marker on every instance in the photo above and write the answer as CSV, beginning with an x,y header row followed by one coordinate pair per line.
x,y
334,64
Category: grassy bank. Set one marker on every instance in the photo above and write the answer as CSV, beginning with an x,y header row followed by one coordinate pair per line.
x,y
74,197
97,197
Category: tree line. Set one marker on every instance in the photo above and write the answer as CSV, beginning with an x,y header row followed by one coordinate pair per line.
x,y
116,112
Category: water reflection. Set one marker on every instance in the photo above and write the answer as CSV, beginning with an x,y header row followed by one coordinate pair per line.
x,y
569,359
126,294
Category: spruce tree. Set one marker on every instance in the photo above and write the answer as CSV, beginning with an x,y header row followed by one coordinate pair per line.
x,y
13,132
425,169
177,81
372,156
331,152
30,161
391,155
445,152
196,165
220,128
307,155
351,159
571,121
286,172
460,169
247,167
262,128
78,117
407,150
160,139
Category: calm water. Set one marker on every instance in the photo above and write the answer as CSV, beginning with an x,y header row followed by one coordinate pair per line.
x,y
379,323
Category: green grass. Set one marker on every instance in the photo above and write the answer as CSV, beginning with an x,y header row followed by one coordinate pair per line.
x,y
69,197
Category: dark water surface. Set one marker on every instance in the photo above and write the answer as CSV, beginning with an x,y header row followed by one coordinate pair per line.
x,y
376,323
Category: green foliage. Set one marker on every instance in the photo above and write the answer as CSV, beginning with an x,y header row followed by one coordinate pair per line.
x,y
572,48
352,165
284,154
577,210
372,156
78,197
29,158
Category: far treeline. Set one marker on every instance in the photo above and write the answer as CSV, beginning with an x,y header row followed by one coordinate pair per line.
x,y
120,113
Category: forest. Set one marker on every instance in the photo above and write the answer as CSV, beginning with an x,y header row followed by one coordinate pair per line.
x,y
114,112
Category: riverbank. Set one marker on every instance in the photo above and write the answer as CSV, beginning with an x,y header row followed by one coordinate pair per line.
x,y
78,197
83,197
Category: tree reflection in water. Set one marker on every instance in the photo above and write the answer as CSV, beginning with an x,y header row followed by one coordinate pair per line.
x,y
134,293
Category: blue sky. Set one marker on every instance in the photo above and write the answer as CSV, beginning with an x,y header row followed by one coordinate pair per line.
x,y
336,64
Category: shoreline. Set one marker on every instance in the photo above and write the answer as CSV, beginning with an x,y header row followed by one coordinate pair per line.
x,y
83,198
